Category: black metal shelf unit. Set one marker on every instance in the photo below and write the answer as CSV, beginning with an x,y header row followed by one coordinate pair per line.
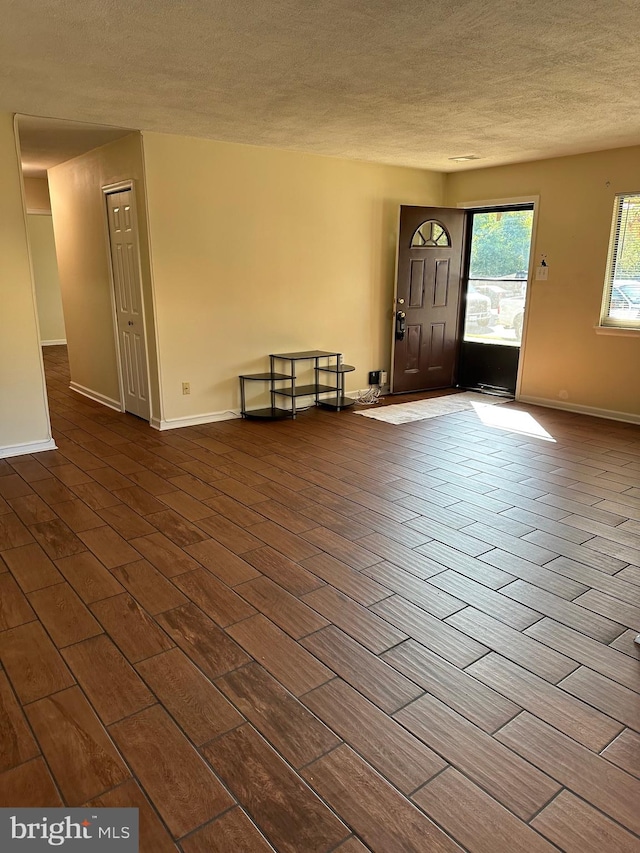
x,y
271,412
340,400
283,384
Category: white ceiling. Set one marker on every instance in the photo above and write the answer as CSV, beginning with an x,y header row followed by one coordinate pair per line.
x,y
411,82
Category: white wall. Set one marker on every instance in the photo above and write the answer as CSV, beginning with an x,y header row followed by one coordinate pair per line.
x,y
36,194
47,280
567,362
24,415
257,250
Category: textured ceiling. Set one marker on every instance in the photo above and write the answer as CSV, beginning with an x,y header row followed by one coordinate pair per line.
x,y
396,81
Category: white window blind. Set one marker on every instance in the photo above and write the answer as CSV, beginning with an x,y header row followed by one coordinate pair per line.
x,y
621,302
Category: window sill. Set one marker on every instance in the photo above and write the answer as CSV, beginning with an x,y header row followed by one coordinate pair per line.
x,y
618,331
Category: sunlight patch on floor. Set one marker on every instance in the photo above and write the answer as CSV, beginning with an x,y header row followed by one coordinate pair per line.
x,y
511,420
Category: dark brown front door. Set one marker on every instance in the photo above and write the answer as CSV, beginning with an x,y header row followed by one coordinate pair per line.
x,y
427,307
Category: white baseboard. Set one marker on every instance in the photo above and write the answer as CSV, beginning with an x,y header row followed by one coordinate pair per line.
x,y
194,420
28,447
53,343
96,396
609,414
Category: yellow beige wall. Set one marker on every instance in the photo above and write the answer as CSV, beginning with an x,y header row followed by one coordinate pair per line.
x,y
47,281
24,416
258,250
36,195
79,221
562,351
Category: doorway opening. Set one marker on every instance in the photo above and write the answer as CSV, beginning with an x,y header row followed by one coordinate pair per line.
x,y
496,272
460,298
100,250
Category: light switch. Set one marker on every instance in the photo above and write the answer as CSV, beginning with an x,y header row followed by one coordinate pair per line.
x,y
542,273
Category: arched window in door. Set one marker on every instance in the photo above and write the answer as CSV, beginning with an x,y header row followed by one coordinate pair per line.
x,y
430,233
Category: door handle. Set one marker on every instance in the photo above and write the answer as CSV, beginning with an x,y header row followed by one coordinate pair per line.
x,y
400,325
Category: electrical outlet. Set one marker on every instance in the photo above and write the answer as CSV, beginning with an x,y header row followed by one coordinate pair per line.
x,y
186,387
374,377
384,377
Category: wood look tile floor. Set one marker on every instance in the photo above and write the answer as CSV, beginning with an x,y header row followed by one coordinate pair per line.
x,y
328,634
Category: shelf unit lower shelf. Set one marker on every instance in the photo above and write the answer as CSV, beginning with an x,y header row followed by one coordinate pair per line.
x,y
271,413
336,403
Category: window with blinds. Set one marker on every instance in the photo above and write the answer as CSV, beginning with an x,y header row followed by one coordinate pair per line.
x,y
621,302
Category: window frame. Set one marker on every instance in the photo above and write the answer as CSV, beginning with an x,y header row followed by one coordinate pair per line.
x,y
431,243
606,321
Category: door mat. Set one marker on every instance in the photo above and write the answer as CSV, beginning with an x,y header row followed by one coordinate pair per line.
x,y
420,410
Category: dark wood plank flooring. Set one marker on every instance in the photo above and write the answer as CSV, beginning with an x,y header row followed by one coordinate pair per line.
x,y
332,634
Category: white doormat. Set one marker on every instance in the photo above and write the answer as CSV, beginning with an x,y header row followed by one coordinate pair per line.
x,y
420,410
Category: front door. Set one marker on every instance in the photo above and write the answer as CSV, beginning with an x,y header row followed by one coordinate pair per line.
x,y
427,301
123,237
